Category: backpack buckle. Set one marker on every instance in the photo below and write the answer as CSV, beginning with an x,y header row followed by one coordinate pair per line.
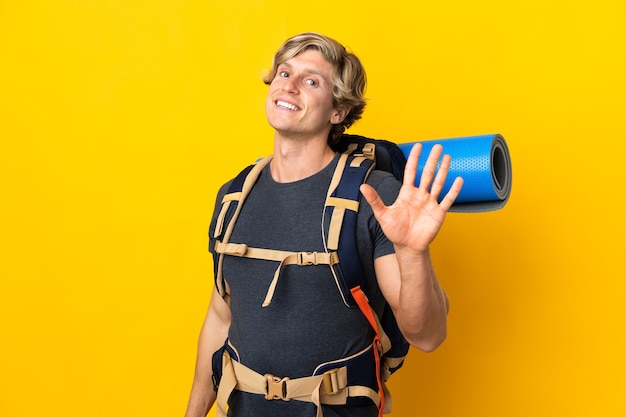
x,y
369,151
307,258
331,382
276,388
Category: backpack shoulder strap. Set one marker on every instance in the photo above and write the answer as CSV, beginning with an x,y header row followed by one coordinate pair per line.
x,y
348,272
340,216
229,211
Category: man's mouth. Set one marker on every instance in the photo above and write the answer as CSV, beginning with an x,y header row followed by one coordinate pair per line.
x,y
285,105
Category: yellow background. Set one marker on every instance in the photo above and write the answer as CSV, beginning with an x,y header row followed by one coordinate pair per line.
x,y
119,119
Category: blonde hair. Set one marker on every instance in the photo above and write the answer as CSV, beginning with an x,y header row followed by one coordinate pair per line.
x,y
349,80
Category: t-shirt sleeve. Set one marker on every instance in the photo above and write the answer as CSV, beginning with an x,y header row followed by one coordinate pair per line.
x,y
388,188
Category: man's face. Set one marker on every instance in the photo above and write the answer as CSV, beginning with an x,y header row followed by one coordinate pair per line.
x,y
299,102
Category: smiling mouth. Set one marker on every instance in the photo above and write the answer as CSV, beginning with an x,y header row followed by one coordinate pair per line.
x,y
285,105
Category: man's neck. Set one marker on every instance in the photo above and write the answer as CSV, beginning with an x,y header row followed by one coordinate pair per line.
x,y
295,160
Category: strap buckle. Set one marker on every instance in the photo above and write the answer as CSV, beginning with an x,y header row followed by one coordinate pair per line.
x,y
369,151
307,258
331,382
276,388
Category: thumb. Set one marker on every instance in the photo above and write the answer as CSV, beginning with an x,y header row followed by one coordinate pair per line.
x,y
373,199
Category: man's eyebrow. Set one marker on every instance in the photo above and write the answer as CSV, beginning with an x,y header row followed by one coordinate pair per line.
x,y
307,70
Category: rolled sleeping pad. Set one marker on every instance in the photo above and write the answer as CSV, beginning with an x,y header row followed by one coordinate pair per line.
x,y
484,164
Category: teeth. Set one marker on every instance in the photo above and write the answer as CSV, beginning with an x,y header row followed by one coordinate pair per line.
x,y
286,105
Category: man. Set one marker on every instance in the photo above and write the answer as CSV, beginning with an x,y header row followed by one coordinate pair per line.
x,y
315,92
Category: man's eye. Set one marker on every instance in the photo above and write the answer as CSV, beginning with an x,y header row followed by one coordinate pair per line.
x,y
283,74
312,83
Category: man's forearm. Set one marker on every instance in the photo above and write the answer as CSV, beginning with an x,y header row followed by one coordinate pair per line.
x,y
212,336
423,305
201,399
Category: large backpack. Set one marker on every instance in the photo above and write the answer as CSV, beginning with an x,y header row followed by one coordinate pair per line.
x,y
359,156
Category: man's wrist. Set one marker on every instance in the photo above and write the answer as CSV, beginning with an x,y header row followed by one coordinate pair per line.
x,y
406,255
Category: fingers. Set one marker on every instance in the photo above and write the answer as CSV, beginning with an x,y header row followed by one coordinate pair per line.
x,y
452,194
428,172
432,180
434,175
410,169
440,177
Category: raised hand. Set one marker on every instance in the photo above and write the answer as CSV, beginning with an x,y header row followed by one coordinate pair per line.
x,y
414,219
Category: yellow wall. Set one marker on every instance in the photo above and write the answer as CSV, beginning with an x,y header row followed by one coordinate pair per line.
x,y
119,119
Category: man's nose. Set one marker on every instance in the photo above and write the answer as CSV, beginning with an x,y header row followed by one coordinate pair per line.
x,y
290,85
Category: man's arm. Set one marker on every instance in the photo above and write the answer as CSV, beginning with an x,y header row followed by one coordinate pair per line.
x,y
407,278
212,336
419,303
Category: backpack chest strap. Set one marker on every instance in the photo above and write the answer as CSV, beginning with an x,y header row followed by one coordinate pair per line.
x,y
283,257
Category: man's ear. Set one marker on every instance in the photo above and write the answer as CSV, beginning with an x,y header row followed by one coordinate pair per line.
x,y
339,114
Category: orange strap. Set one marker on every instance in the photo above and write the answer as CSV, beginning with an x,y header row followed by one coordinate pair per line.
x,y
364,306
